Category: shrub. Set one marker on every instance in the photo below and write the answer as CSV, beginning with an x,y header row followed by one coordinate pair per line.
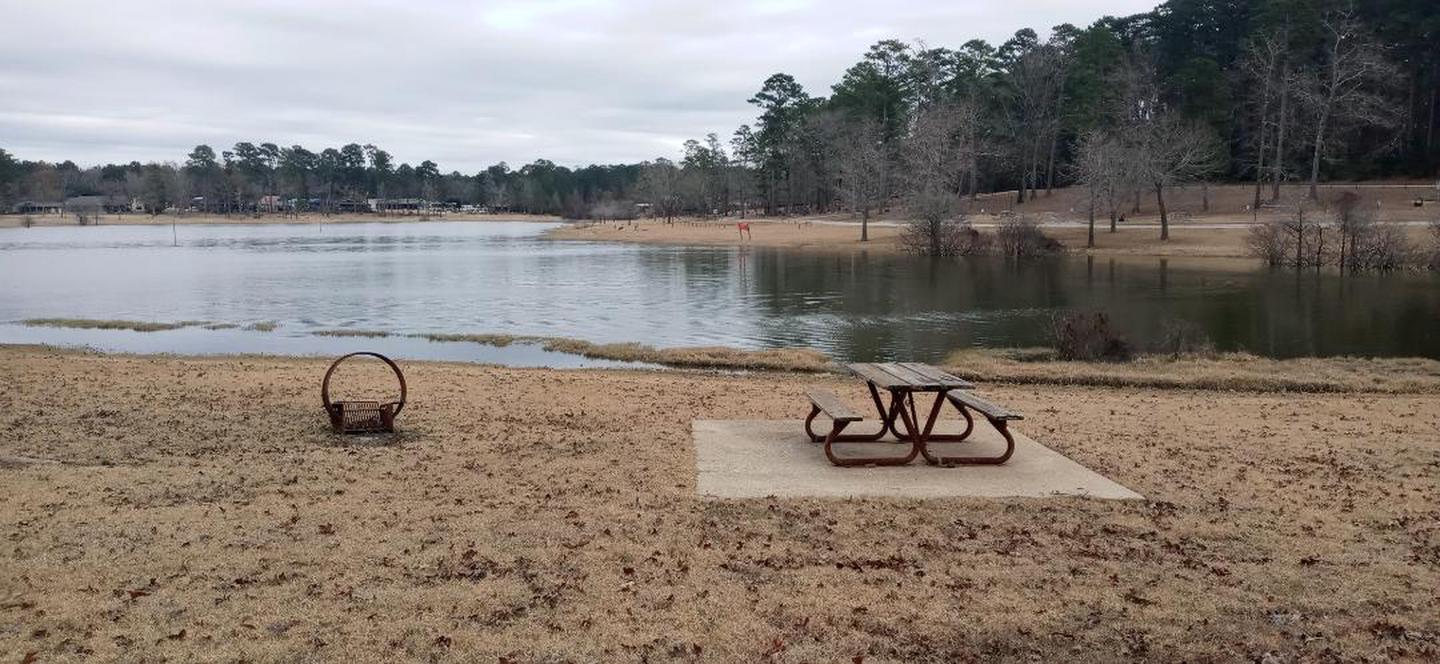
x,y
1088,337
27,221
1270,243
1435,245
936,229
1021,238
1383,248
1182,337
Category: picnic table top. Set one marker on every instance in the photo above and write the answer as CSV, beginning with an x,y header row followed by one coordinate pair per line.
x,y
912,376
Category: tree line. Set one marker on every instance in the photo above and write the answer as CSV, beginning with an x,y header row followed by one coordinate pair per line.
x,y
1262,91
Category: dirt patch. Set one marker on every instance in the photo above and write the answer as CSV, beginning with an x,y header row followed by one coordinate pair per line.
x,y
541,515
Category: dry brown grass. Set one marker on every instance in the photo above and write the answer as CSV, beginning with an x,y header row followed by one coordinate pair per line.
x,y
366,334
94,324
498,340
706,357
201,510
1229,371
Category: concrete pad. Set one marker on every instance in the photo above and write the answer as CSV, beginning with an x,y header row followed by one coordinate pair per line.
x,y
759,458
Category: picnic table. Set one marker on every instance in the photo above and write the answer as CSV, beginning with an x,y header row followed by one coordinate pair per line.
x,y
901,418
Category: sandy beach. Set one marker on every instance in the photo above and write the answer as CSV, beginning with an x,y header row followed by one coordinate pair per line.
x,y
180,508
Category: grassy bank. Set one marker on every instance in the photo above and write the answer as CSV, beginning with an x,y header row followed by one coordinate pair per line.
x,y
163,508
1227,371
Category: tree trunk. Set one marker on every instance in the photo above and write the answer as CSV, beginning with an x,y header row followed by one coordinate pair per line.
x,y
1260,150
865,224
1319,149
1090,232
974,175
1280,124
1164,217
1050,165
1430,122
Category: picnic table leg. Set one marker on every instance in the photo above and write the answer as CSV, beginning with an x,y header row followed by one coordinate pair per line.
x,y
835,437
916,435
956,437
1001,426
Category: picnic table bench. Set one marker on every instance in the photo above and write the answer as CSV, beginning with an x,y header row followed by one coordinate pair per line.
x,y
902,380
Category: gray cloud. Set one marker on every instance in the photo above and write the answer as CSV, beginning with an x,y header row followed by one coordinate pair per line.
x,y
463,83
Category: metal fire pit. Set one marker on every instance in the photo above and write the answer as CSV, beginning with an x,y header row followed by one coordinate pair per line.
x,y
362,416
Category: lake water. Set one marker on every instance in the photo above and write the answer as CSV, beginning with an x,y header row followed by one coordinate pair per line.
x,y
454,277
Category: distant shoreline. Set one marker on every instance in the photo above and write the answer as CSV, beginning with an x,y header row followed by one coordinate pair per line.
x,y
309,219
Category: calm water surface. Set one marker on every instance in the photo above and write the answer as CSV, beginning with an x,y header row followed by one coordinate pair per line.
x,y
502,278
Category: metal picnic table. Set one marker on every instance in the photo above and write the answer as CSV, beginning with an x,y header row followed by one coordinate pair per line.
x,y
900,419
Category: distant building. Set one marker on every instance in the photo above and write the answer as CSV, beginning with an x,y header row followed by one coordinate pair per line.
x,y
396,204
270,203
38,207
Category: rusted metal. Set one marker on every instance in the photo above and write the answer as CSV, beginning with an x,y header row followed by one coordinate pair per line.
x,y
998,417
834,436
362,416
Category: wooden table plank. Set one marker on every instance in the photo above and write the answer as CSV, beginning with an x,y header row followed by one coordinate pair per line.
x,y
873,373
939,375
916,379
908,376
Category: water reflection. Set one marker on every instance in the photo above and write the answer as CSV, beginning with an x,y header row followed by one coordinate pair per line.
x,y
500,277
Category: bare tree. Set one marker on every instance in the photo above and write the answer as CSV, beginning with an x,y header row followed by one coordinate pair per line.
x,y
1264,64
660,182
1168,151
1100,167
1344,88
1036,79
864,170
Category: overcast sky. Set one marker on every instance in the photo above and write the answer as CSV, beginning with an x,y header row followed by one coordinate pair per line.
x,y
466,84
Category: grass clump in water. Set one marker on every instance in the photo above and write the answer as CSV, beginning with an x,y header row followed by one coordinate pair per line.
x,y
703,357
698,357
263,326
93,324
497,340
369,334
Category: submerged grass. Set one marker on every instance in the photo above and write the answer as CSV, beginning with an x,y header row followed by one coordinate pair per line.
x,y
701,357
369,334
497,340
705,357
1228,371
93,324
263,326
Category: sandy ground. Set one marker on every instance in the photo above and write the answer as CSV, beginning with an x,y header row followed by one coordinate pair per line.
x,y
1226,241
40,220
1219,232
175,508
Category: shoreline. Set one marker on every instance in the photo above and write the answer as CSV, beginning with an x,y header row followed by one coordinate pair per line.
x,y
268,219
1217,241
1218,372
